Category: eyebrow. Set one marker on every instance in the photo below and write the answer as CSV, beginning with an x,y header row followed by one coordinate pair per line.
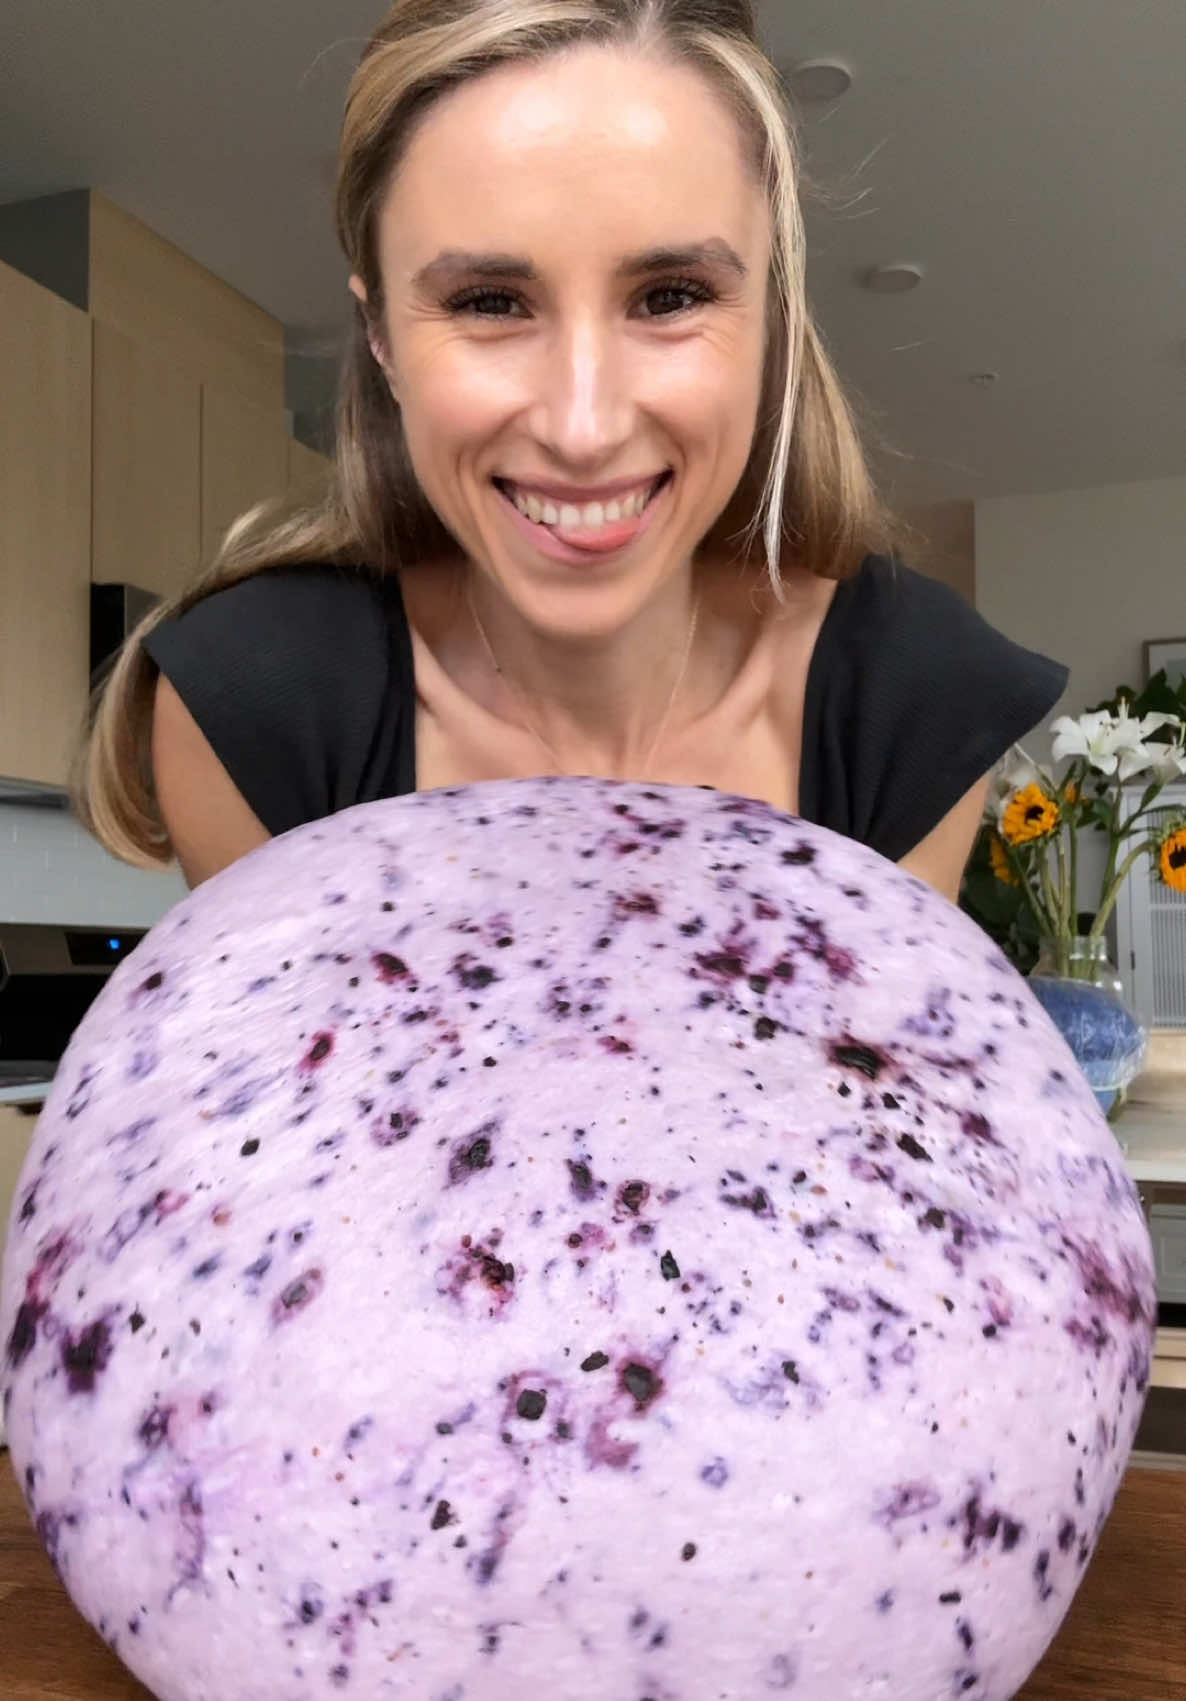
x,y
452,263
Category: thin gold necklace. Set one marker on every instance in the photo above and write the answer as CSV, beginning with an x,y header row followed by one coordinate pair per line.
x,y
525,707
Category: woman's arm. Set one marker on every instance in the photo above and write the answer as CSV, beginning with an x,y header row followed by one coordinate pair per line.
x,y
939,859
209,822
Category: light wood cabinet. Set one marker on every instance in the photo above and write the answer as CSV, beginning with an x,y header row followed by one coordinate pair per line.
x,y
132,435
146,467
16,1131
142,285
45,528
244,460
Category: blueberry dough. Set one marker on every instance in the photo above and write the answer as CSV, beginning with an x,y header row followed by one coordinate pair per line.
x,y
561,1238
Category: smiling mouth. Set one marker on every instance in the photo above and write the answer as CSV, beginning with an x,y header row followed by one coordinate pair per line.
x,y
584,522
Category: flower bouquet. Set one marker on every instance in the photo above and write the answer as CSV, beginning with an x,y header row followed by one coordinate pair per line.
x,y
1023,879
1034,820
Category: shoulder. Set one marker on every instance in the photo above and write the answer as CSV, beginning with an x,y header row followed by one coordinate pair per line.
x,y
930,697
282,618
916,642
287,674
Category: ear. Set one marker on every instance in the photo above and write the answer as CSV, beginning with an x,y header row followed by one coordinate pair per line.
x,y
374,332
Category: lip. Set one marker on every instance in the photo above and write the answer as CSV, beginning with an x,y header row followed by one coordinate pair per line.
x,y
583,493
571,555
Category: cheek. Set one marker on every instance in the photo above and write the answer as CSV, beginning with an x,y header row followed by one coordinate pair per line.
x,y
450,404
710,383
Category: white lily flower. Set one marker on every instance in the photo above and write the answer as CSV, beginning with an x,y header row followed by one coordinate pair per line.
x,y
1134,753
1093,735
1167,762
1154,723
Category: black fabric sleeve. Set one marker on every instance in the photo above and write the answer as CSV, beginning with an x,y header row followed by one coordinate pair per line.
x,y
300,682
918,697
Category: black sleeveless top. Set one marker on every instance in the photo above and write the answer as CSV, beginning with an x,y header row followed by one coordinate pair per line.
x,y
301,680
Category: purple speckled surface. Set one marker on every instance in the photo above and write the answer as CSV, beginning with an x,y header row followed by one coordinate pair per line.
x,y
559,1238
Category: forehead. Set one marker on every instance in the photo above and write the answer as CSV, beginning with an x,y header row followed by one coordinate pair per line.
x,y
592,145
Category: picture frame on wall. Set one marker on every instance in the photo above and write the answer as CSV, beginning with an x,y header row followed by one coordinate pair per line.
x,y
1167,653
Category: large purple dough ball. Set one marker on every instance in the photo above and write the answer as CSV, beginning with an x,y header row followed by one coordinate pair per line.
x,y
560,1238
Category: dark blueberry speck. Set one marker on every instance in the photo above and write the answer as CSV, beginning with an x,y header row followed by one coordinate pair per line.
x,y
531,1403
581,1178
669,1268
595,1361
85,1356
641,1383
24,1333
854,1056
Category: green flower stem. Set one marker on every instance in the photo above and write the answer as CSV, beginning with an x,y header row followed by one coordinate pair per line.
x,y
1021,873
1112,891
1049,897
1064,886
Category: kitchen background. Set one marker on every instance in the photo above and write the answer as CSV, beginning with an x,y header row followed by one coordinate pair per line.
x,y
997,240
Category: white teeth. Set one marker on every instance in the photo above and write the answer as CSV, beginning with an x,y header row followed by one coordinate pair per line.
x,y
589,517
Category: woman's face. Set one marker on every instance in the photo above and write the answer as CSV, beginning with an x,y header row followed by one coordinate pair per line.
x,y
574,257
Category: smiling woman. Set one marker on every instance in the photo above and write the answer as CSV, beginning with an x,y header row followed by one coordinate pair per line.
x,y
600,505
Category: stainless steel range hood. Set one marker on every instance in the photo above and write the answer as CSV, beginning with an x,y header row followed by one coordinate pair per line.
x,y
32,792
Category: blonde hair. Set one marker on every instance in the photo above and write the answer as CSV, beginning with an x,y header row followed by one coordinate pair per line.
x,y
806,487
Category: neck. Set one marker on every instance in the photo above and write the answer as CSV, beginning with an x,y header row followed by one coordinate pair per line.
x,y
597,703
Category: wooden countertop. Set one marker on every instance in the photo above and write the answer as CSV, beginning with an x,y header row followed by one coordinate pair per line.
x,y
1124,1638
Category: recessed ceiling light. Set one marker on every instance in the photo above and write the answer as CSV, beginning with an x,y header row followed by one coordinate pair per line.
x,y
893,280
820,79
984,380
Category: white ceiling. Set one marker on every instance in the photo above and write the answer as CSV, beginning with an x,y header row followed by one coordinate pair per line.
x,y
1030,154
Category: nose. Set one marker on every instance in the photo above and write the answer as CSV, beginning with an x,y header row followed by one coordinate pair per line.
x,y
582,411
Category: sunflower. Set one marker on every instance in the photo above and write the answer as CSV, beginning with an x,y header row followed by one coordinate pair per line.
x,y
999,861
1029,814
1171,861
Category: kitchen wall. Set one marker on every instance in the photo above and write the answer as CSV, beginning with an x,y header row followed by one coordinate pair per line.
x,y
944,544
52,871
1086,575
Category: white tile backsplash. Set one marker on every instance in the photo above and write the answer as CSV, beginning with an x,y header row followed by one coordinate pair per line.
x,y
53,871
